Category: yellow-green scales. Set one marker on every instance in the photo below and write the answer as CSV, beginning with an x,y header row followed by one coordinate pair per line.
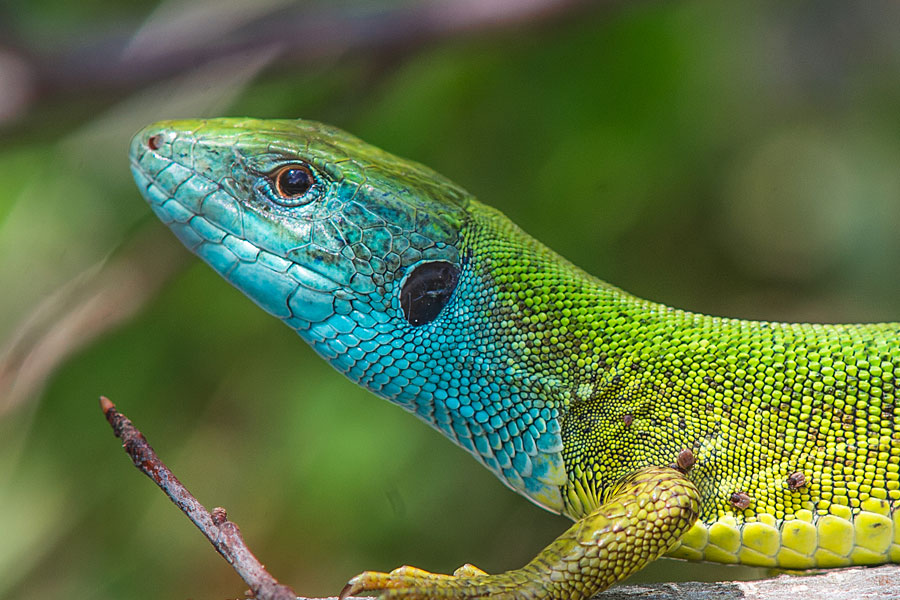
x,y
755,401
575,393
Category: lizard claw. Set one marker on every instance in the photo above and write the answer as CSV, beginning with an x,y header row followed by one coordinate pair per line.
x,y
346,592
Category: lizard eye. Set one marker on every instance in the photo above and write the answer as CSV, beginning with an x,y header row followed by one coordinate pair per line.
x,y
293,184
427,290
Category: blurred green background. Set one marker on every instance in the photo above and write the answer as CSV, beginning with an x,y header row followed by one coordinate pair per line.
x,y
735,158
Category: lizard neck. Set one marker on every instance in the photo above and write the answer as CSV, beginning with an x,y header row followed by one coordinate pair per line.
x,y
523,337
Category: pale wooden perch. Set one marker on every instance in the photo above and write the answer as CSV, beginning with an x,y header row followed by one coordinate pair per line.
x,y
857,583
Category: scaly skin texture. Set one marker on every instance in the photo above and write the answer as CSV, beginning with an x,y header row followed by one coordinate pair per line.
x,y
566,387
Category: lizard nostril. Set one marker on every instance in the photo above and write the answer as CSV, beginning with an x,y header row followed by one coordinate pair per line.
x,y
154,142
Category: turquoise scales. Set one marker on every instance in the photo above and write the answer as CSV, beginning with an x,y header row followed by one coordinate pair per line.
x,y
559,383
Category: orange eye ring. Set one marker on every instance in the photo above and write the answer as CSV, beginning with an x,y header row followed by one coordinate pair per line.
x,y
293,181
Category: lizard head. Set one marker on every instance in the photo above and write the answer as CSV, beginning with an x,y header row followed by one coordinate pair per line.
x,y
374,260
310,222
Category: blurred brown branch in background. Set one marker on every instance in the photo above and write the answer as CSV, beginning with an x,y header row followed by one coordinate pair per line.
x,y
173,41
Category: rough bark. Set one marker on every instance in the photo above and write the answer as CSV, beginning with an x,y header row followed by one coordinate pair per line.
x,y
856,583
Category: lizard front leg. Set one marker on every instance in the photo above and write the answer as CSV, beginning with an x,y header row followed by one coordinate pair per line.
x,y
645,514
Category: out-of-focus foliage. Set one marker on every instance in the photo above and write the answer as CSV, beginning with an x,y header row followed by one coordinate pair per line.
x,y
736,158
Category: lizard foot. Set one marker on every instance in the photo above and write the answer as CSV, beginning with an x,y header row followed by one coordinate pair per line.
x,y
468,581
645,514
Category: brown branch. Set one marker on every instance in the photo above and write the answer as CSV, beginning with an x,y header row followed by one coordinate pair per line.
x,y
222,533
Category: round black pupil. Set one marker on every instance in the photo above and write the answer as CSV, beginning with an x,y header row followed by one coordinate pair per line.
x,y
294,182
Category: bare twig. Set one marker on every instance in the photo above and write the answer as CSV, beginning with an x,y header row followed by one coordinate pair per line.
x,y
222,533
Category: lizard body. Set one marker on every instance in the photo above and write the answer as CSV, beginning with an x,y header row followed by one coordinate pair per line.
x,y
573,392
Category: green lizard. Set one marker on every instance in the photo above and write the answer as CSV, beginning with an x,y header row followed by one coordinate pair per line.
x,y
573,392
